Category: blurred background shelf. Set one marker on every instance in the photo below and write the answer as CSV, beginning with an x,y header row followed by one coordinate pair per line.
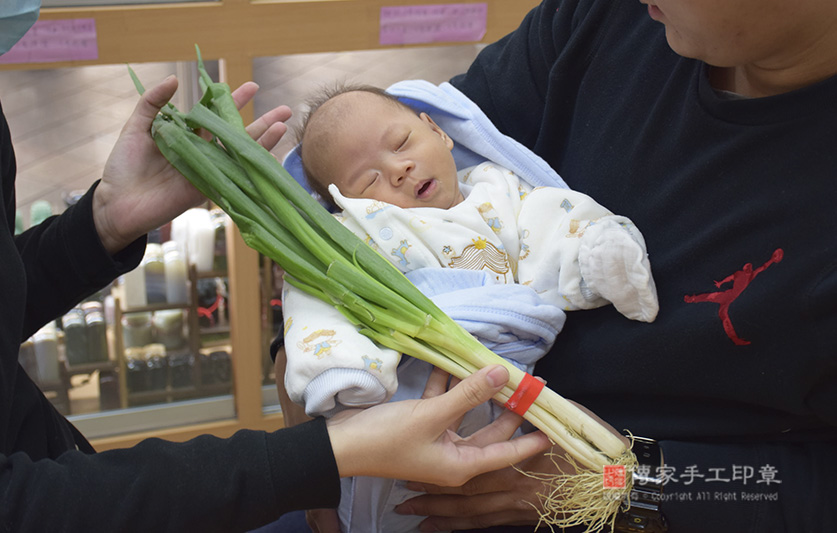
x,y
157,374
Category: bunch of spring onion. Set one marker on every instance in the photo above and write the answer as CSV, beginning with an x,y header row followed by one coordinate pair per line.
x,y
278,218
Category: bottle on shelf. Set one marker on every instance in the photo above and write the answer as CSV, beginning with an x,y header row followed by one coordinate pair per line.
x,y
75,336
96,329
133,288
202,241
175,274
195,235
155,276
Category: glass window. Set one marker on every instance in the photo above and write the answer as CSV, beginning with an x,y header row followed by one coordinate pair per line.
x,y
159,335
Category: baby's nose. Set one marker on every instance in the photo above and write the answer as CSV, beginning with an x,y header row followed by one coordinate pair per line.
x,y
400,171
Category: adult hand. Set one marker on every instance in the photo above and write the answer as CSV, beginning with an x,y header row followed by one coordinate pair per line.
x,y
504,497
140,190
323,520
415,439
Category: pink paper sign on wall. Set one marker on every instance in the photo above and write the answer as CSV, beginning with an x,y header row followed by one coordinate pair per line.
x,y
430,23
56,40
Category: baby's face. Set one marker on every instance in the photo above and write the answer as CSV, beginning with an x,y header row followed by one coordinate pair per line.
x,y
381,151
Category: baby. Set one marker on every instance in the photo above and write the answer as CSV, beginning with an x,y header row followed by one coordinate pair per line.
x,y
503,258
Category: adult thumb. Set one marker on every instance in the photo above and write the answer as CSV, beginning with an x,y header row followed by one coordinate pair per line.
x,y
475,390
152,101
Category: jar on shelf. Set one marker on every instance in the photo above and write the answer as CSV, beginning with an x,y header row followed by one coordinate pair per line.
x,y
97,332
155,275
108,390
158,366
136,330
75,336
168,326
136,375
46,353
181,369
216,367
175,273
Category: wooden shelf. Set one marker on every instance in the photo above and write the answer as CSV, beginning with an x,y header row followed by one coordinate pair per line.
x,y
152,308
88,368
215,330
212,274
194,344
170,394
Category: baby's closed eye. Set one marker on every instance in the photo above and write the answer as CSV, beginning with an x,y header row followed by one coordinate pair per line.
x,y
403,143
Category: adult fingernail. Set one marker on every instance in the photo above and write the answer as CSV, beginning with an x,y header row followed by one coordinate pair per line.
x,y
498,376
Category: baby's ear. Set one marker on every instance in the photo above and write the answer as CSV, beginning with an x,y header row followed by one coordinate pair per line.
x,y
435,127
426,118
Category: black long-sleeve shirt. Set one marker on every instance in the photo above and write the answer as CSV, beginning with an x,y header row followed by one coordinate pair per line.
x,y
49,478
736,199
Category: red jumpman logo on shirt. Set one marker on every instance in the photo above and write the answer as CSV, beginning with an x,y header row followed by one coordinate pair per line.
x,y
740,281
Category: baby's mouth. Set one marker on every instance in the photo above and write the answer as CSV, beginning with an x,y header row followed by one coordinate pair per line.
x,y
425,188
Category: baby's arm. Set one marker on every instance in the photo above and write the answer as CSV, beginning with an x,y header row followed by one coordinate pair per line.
x,y
330,366
601,257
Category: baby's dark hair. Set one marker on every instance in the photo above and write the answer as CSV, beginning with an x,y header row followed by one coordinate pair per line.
x,y
318,183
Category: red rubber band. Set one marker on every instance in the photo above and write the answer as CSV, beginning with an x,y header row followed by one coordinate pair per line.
x,y
525,394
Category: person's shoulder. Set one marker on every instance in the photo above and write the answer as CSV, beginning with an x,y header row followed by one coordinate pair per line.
x,y
577,13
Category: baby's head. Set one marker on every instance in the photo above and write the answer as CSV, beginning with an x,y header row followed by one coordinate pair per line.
x,y
371,145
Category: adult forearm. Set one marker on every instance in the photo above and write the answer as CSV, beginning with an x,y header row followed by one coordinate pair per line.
x,y
65,262
206,484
